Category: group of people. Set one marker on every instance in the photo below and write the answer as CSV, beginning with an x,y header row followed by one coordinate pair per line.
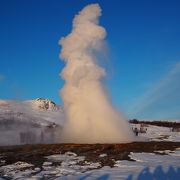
x,y
142,129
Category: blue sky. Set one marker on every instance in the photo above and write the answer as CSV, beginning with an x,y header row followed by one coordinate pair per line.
x,y
143,58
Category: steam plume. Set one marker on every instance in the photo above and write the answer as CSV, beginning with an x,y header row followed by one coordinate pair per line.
x,y
90,116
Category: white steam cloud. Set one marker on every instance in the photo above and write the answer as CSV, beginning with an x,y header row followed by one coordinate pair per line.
x,y
90,115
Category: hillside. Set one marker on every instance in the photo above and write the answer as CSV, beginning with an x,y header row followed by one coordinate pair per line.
x,y
29,119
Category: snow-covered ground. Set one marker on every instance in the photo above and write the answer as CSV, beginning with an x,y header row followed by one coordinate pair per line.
x,y
145,165
157,133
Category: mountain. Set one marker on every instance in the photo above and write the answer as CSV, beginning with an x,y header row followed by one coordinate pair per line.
x,y
39,111
36,120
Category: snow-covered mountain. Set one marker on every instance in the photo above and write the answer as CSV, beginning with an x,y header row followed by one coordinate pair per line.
x,y
44,104
33,121
39,111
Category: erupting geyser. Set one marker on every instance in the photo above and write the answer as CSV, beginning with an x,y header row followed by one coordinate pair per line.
x,y
90,115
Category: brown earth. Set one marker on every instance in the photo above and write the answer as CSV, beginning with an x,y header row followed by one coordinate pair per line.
x,y
36,154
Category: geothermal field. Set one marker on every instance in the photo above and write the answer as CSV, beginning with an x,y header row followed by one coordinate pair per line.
x,y
87,137
156,155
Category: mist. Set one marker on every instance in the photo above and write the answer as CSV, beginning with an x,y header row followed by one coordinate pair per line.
x,y
159,100
24,122
90,115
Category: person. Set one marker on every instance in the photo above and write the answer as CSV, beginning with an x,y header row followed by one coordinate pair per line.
x,y
136,131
